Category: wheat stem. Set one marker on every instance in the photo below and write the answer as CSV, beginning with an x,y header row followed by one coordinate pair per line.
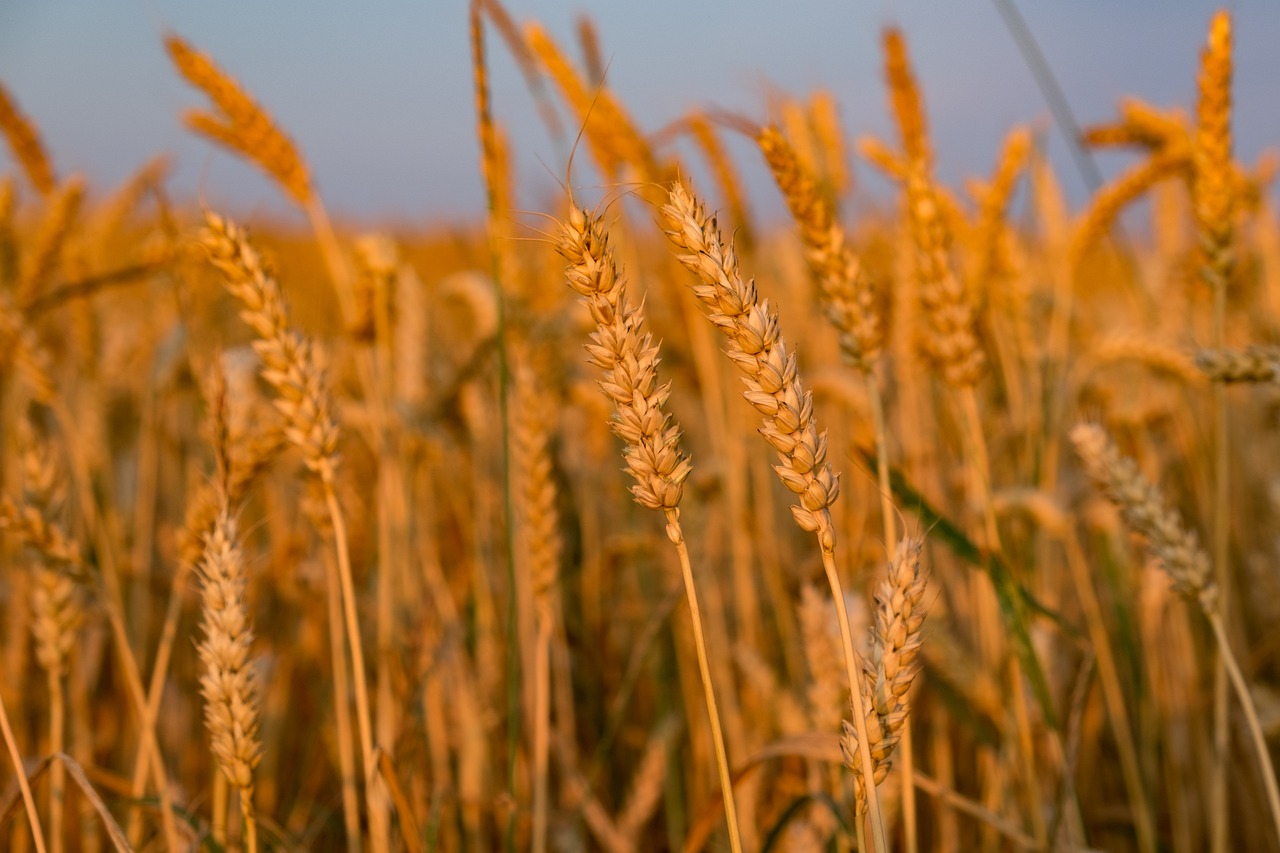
x,y
1260,747
676,535
20,772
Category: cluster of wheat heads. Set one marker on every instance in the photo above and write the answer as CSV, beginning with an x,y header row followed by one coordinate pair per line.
x,y
323,541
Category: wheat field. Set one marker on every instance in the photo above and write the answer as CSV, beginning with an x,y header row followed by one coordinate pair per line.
x,y
630,524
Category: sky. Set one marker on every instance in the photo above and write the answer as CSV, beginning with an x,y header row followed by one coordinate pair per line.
x,y
378,95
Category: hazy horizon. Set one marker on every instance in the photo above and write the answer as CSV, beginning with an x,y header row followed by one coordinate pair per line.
x,y
381,103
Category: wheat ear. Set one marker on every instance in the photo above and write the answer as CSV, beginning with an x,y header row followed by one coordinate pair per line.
x,y
239,123
628,359
895,646
848,297
292,366
541,545
228,683
1213,200
24,142
1178,552
773,385
1252,364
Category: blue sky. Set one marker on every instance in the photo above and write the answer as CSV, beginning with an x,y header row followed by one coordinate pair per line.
x,y
379,94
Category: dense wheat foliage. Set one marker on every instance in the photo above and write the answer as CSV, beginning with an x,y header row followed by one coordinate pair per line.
x,y
628,524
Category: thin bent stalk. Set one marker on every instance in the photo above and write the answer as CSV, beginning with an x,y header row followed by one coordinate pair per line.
x,y
27,800
1112,695
1251,717
342,707
541,733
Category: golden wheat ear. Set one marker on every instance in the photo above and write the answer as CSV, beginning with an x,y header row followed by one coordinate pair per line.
x,y
238,122
25,143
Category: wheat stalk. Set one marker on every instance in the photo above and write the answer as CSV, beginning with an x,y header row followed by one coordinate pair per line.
x,y
628,359
292,366
772,378
1213,200
1177,550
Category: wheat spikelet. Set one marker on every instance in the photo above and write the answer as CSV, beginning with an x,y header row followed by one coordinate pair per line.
x,y
41,535
510,33
878,153
46,251
25,350
1144,510
1140,125
1252,364
290,363
242,125
1117,135
55,601
774,389
850,301
1162,127
24,142
758,349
